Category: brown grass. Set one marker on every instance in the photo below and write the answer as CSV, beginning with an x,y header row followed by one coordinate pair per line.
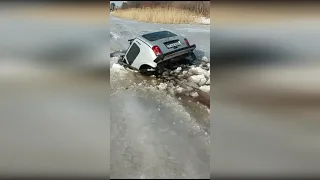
x,y
230,14
164,15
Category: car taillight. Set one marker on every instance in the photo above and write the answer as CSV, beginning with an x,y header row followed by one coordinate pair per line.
x,y
157,51
187,42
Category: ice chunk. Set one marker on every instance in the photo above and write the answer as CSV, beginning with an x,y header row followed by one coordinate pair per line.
x,y
170,84
117,67
194,94
205,59
179,90
171,91
197,70
200,71
202,81
205,67
197,78
178,70
186,87
180,76
192,84
184,73
207,74
208,81
162,86
205,88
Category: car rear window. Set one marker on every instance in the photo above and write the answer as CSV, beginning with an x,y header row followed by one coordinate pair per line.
x,y
158,35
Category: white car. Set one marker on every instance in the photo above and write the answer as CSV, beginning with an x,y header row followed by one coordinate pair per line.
x,y
152,52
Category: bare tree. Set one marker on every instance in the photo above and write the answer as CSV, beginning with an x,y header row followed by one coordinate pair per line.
x,y
199,7
124,5
112,6
134,4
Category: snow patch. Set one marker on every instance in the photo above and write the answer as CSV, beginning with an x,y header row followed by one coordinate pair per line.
x,y
195,30
118,68
203,20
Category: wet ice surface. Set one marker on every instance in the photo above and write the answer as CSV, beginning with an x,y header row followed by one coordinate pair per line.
x,y
155,134
174,133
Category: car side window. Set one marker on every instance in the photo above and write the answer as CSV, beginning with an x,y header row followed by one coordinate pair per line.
x,y
133,53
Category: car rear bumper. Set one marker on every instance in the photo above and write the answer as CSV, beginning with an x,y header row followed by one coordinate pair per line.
x,y
174,54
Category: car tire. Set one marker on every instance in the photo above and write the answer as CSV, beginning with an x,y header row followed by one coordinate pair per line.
x,y
145,70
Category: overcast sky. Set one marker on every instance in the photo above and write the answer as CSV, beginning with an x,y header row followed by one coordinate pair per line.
x,y
117,3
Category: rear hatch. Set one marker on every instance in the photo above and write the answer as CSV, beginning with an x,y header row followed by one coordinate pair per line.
x,y
167,41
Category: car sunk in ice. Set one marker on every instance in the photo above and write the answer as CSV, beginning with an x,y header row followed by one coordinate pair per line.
x,y
152,52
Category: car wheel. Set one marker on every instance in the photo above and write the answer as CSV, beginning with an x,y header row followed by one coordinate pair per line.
x,y
147,70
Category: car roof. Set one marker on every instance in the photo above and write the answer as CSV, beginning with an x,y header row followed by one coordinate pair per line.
x,y
154,36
